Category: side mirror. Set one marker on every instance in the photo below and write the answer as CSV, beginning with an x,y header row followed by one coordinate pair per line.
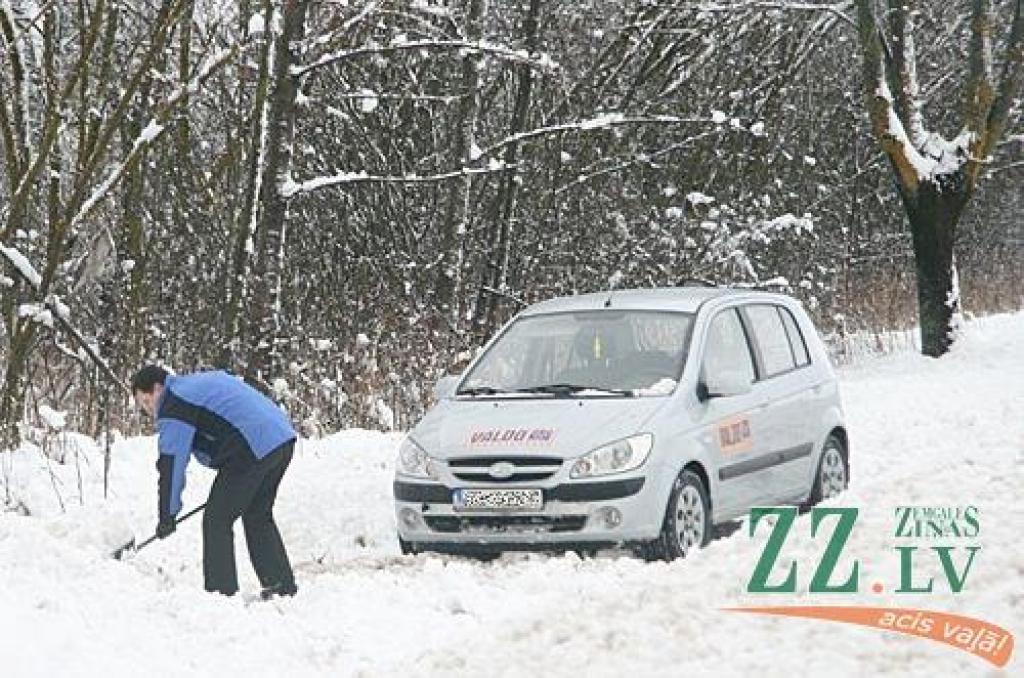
x,y
724,385
445,387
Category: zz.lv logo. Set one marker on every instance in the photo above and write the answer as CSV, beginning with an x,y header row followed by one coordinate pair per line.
x,y
822,580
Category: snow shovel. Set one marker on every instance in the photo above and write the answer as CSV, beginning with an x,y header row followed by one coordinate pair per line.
x,y
131,547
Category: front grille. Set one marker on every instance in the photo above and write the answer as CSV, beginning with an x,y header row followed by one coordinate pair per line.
x,y
527,469
514,478
505,524
519,460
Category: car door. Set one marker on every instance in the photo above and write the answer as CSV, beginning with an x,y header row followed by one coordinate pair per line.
x,y
731,429
785,390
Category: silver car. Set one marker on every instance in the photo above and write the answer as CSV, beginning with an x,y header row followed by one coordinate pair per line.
x,y
637,418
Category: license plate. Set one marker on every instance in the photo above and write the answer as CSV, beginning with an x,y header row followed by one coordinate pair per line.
x,y
497,500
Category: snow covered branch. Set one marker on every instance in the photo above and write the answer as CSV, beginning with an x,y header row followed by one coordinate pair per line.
x,y
603,121
884,120
155,128
1010,86
54,309
517,56
980,83
838,9
915,153
290,189
30,22
51,126
22,265
908,92
636,160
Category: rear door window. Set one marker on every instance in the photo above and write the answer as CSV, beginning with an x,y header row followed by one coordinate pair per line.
x,y
771,338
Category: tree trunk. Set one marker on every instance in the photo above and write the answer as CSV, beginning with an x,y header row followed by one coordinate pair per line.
x,y
455,227
264,364
934,195
496,268
238,291
12,397
933,214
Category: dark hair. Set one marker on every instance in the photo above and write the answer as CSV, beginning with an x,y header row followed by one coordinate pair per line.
x,y
148,377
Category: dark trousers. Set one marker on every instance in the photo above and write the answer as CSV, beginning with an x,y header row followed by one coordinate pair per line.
x,y
248,493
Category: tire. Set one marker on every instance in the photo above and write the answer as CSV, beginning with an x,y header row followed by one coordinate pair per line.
x,y
687,524
832,476
726,529
408,549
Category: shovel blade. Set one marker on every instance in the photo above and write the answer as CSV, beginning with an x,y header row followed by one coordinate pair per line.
x,y
120,553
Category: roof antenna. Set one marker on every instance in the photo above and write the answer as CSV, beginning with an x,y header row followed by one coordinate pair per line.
x,y
613,281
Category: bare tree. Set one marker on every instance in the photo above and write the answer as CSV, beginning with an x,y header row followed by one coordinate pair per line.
x,y
271,233
58,158
457,211
497,264
936,177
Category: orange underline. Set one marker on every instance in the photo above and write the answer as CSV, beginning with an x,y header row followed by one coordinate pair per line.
x,y
983,639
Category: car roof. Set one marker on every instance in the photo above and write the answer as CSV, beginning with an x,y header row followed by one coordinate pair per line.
x,y
684,299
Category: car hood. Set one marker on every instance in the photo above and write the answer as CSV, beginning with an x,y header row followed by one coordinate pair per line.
x,y
564,427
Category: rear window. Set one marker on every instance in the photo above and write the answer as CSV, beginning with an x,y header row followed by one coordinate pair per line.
x,y
796,339
772,340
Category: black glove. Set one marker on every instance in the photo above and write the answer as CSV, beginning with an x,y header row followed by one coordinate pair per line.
x,y
166,527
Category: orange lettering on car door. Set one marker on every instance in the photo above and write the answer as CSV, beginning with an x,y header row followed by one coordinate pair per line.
x,y
734,435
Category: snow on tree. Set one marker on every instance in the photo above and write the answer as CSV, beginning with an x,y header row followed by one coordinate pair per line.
x,y
936,177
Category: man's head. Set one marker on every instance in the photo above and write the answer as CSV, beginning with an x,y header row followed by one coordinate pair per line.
x,y
148,386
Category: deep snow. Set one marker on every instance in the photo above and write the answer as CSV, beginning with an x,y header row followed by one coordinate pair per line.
x,y
924,432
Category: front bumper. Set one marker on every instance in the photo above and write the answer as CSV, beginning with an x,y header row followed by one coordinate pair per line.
x,y
585,514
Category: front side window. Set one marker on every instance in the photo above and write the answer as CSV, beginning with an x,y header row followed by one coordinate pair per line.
x,y
727,349
771,338
632,352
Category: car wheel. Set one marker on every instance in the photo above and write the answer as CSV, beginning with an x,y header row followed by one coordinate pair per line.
x,y
833,473
687,524
408,549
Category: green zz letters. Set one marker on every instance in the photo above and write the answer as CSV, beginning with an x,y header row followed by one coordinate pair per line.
x,y
786,515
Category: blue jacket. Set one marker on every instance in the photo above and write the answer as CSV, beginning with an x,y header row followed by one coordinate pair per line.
x,y
218,418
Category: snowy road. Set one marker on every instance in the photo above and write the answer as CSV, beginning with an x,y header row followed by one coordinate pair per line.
x,y
924,432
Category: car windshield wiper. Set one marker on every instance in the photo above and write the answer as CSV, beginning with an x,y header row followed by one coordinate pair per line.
x,y
481,390
567,389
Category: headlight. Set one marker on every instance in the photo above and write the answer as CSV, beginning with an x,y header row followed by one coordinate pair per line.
x,y
622,455
413,461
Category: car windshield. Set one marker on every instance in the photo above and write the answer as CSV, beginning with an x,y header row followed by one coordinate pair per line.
x,y
624,353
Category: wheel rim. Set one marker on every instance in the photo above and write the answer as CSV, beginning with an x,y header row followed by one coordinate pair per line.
x,y
689,519
833,473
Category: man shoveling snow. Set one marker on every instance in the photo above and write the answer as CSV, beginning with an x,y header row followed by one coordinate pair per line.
x,y
229,426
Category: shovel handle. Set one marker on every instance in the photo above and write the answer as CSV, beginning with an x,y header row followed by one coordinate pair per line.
x,y
191,513
130,546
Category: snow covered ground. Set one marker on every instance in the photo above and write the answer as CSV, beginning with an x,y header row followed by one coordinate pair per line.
x,y
924,432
